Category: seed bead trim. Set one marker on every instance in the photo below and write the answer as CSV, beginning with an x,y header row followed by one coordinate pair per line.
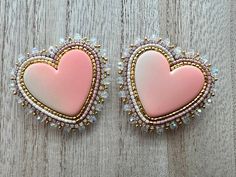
x,y
181,62
132,100
54,63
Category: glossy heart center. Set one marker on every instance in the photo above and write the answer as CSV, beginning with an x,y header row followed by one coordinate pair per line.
x,y
64,89
162,91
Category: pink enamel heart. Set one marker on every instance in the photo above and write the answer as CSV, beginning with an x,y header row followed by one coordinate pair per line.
x,y
64,89
162,91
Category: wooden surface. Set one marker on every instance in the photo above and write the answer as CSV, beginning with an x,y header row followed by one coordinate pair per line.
x,y
111,148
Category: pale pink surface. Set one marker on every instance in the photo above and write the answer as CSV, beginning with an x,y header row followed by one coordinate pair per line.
x,y
161,91
65,89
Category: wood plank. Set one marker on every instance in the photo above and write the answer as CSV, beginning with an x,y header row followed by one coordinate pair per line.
x,y
205,147
141,154
233,66
111,147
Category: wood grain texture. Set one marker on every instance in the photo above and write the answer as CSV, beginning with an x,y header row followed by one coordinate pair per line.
x,y
233,64
112,148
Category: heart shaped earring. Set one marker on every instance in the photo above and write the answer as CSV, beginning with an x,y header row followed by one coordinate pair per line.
x,y
64,86
163,87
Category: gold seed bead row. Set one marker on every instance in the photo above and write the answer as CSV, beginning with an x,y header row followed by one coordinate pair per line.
x,y
205,71
54,64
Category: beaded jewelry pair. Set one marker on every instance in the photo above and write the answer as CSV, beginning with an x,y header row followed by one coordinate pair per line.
x,y
161,86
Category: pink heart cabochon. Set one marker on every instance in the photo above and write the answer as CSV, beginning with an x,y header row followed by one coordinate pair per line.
x,y
64,89
162,91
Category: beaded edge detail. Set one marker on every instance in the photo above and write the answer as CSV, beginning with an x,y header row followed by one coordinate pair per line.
x,y
97,95
176,58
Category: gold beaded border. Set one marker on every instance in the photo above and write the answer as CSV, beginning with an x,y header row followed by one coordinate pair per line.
x,y
174,58
54,63
179,63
